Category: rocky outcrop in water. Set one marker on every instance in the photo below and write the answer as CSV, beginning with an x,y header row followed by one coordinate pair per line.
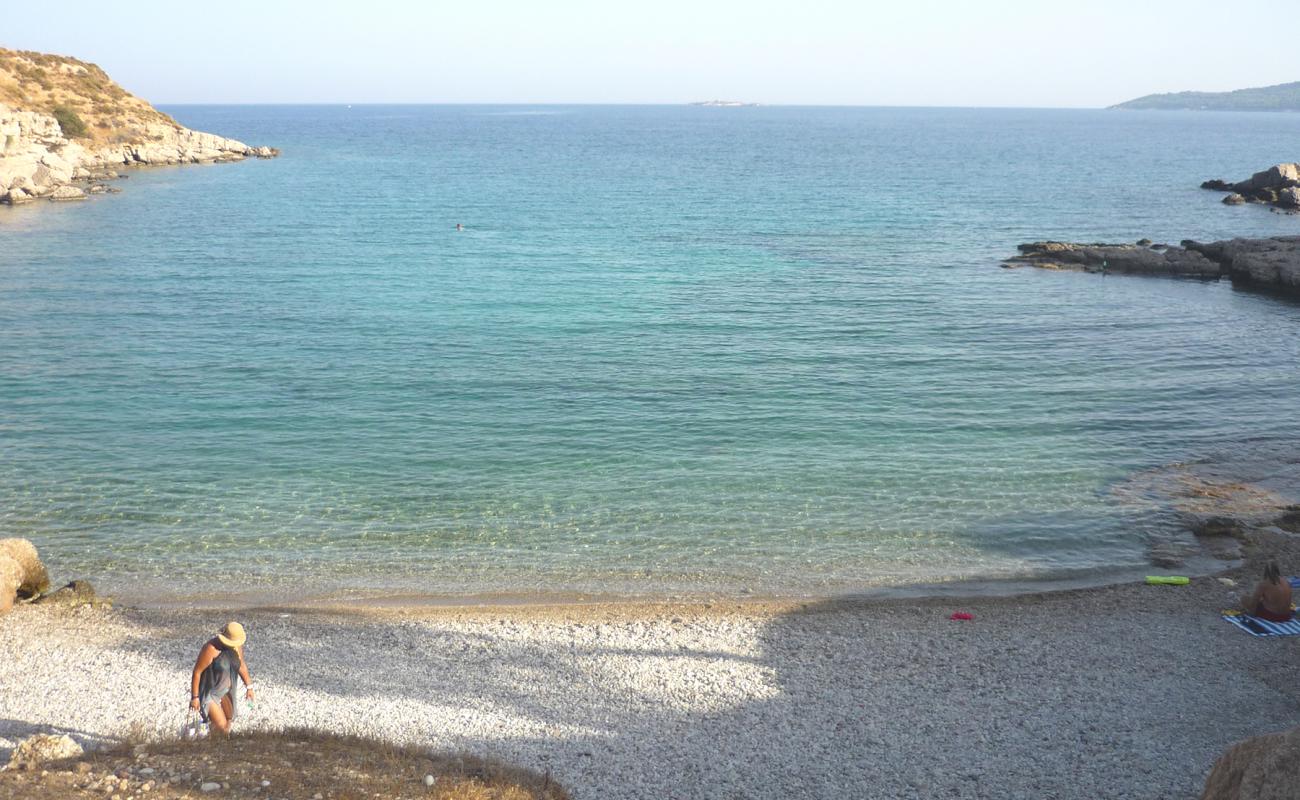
x,y
1267,263
37,161
1119,258
1277,186
65,127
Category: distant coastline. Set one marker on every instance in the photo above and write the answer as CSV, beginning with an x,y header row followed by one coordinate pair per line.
x,y
1281,97
724,104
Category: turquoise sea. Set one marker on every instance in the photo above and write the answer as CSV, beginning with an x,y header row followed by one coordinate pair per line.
x,y
674,351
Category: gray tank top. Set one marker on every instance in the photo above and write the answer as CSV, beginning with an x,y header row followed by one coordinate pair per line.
x,y
218,681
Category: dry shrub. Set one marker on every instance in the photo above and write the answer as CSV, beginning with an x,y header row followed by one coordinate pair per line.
x,y
297,763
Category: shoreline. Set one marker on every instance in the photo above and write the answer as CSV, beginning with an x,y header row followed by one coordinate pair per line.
x,y
400,601
1067,692
991,593
1122,690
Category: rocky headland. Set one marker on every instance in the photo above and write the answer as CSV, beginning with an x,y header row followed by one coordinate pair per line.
x,y
1263,263
66,128
1278,186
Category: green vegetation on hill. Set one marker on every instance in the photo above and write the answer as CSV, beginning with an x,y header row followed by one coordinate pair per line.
x,y
1282,97
69,121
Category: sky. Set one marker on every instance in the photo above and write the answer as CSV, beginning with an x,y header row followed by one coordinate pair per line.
x,y
1045,53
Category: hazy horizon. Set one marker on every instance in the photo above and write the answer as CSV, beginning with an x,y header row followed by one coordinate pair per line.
x,y
928,53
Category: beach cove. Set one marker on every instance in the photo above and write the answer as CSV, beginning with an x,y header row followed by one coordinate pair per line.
x,y
456,403
660,499
1126,691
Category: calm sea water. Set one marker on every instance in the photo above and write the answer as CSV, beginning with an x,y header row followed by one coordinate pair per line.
x,y
675,350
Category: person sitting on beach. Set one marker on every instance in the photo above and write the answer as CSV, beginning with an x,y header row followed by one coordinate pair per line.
x,y
1271,599
212,686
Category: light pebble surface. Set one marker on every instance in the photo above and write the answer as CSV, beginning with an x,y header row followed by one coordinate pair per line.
x,y
1127,692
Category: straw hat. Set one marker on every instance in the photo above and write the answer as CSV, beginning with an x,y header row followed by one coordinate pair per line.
x,y
232,635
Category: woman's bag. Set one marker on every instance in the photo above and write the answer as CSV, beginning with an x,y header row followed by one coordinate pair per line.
x,y
193,727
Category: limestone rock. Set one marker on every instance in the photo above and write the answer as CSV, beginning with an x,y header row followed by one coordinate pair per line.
x,y
11,575
1262,768
42,748
41,177
60,169
21,572
66,192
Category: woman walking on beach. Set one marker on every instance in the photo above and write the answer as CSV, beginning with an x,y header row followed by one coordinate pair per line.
x,y
212,686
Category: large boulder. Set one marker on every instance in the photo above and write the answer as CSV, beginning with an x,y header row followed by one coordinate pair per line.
x,y
42,178
16,196
11,576
1262,768
43,748
1276,177
60,168
1274,186
21,572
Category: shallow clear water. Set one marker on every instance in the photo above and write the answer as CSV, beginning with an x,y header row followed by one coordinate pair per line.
x,y
676,349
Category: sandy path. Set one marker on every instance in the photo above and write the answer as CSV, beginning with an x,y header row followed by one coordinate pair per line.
x,y
1067,696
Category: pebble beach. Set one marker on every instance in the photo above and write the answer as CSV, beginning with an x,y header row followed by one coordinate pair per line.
x,y
1119,692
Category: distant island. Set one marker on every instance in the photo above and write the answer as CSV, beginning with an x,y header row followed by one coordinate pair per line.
x,y
1282,97
65,127
724,104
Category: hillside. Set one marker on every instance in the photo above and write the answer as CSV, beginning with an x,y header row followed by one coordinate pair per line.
x,y
66,126
57,85
1282,97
